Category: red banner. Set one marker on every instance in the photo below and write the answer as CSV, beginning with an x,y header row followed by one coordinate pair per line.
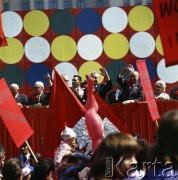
x,y
12,116
147,88
166,13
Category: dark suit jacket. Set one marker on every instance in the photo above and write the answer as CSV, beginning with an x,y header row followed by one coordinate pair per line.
x,y
103,89
22,98
44,99
130,92
112,97
173,94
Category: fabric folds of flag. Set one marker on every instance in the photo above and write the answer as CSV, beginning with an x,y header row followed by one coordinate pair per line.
x,y
64,109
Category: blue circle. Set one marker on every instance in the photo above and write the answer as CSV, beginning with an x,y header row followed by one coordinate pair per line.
x,y
13,74
88,21
151,69
114,69
37,72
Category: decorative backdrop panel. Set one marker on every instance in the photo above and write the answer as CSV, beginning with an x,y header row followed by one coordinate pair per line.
x,y
78,41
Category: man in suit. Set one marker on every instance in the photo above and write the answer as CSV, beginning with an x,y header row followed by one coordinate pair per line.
x,y
40,97
131,89
21,99
102,88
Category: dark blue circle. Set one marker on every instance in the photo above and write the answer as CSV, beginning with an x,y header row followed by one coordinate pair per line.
x,y
88,21
151,69
37,72
114,69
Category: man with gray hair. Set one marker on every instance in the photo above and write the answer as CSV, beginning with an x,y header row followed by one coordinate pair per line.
x,y
21,99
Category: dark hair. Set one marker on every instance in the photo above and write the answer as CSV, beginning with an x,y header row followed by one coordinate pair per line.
x,y
79,77
43,169
11,169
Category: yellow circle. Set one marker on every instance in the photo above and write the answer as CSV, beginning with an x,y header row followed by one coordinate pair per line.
x,y
12,53
63,48
88,67
36,23
159,46
141,18
116,46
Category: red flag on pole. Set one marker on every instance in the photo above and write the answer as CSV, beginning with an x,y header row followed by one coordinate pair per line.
x,y
64,108
166,14
3,41
12,116
147,89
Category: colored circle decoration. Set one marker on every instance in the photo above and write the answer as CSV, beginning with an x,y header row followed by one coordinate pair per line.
x,y
116,46
159,46
114,68
141,18
114,19
68,69
88,67
36,23
13,74
90,47
142,44
37,49
37,72
62,22
88,21
63,48
151,68
167,74
12,53
12,23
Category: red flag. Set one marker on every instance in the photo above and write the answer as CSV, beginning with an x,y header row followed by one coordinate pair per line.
x,y
64,108
105,111
166,13
12,116
3,41
147,89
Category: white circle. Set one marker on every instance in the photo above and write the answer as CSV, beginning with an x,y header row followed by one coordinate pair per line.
x,y
114,19
12,24
90,47
142,44
68,69
167,74
37,49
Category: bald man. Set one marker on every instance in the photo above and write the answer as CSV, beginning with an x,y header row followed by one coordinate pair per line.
x,y
21,99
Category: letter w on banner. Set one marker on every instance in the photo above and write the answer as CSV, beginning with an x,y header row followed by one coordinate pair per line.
x,y
13,117
147,88
167,14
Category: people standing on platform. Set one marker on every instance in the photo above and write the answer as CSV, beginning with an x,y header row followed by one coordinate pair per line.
x,y
21,99
131,88
40,97
102,88
159,90
66,157
76,88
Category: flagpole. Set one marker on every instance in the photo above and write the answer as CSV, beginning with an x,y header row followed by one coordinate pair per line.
x,y
157,125
31,151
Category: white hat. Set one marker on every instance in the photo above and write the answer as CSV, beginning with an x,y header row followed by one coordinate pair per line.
x,y
68,133
13,85
26,170
39,83
162,83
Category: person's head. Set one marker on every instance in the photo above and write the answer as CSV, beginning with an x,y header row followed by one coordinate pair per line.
x,y
44,169
69,136
38,87
12,169
32,160
2,153
26,173
133,77
76,81
95,75
113,148
14,88
24,149
160,87
65,78
84,84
